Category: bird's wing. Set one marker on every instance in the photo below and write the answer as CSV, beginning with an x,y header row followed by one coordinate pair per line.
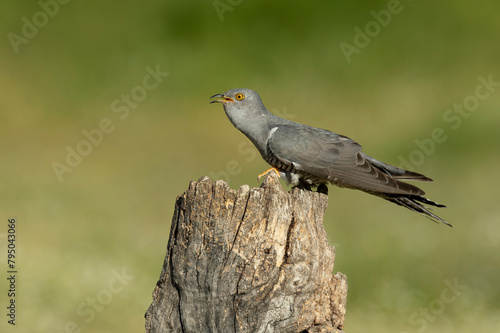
x,y
334,157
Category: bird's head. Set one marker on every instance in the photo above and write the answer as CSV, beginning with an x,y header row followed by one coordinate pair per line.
x,y
239,103
245,110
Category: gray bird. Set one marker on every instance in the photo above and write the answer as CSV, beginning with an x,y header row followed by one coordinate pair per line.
x,y
307,156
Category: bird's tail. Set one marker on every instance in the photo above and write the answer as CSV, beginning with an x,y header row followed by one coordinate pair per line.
x,y
415,203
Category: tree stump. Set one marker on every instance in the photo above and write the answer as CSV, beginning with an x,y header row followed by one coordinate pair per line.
x,y
252,260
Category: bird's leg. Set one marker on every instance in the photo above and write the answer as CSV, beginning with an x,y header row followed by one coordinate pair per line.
x,y
267,171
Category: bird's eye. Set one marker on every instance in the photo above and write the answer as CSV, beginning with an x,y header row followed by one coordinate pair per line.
x,y
240,96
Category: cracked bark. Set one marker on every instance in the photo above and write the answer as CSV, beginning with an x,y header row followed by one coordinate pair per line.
x,y
251,260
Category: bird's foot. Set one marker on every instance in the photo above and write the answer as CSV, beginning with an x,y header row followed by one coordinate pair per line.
x,y
323,188
267,171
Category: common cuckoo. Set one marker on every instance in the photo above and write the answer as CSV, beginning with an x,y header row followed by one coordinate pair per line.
x,y
306,156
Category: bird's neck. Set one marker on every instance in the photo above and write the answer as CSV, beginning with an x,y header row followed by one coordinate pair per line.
x,y
256,129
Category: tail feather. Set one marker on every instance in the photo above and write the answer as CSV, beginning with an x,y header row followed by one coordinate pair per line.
x,y
415,176
396,172
427,201
411,201
414,203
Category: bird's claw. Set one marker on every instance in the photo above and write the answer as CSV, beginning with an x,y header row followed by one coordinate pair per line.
x,y
266,172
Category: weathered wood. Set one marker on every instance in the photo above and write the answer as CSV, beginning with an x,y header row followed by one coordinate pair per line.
x,y
252,260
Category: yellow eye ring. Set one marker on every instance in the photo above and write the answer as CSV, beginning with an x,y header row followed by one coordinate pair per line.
x,y
239,96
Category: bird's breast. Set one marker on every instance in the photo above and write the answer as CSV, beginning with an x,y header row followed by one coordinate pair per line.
x,y
292,175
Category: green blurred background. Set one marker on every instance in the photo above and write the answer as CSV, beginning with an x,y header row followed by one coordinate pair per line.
x,y
112,213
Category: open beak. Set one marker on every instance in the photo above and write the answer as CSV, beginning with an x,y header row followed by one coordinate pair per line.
x,y
221,99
